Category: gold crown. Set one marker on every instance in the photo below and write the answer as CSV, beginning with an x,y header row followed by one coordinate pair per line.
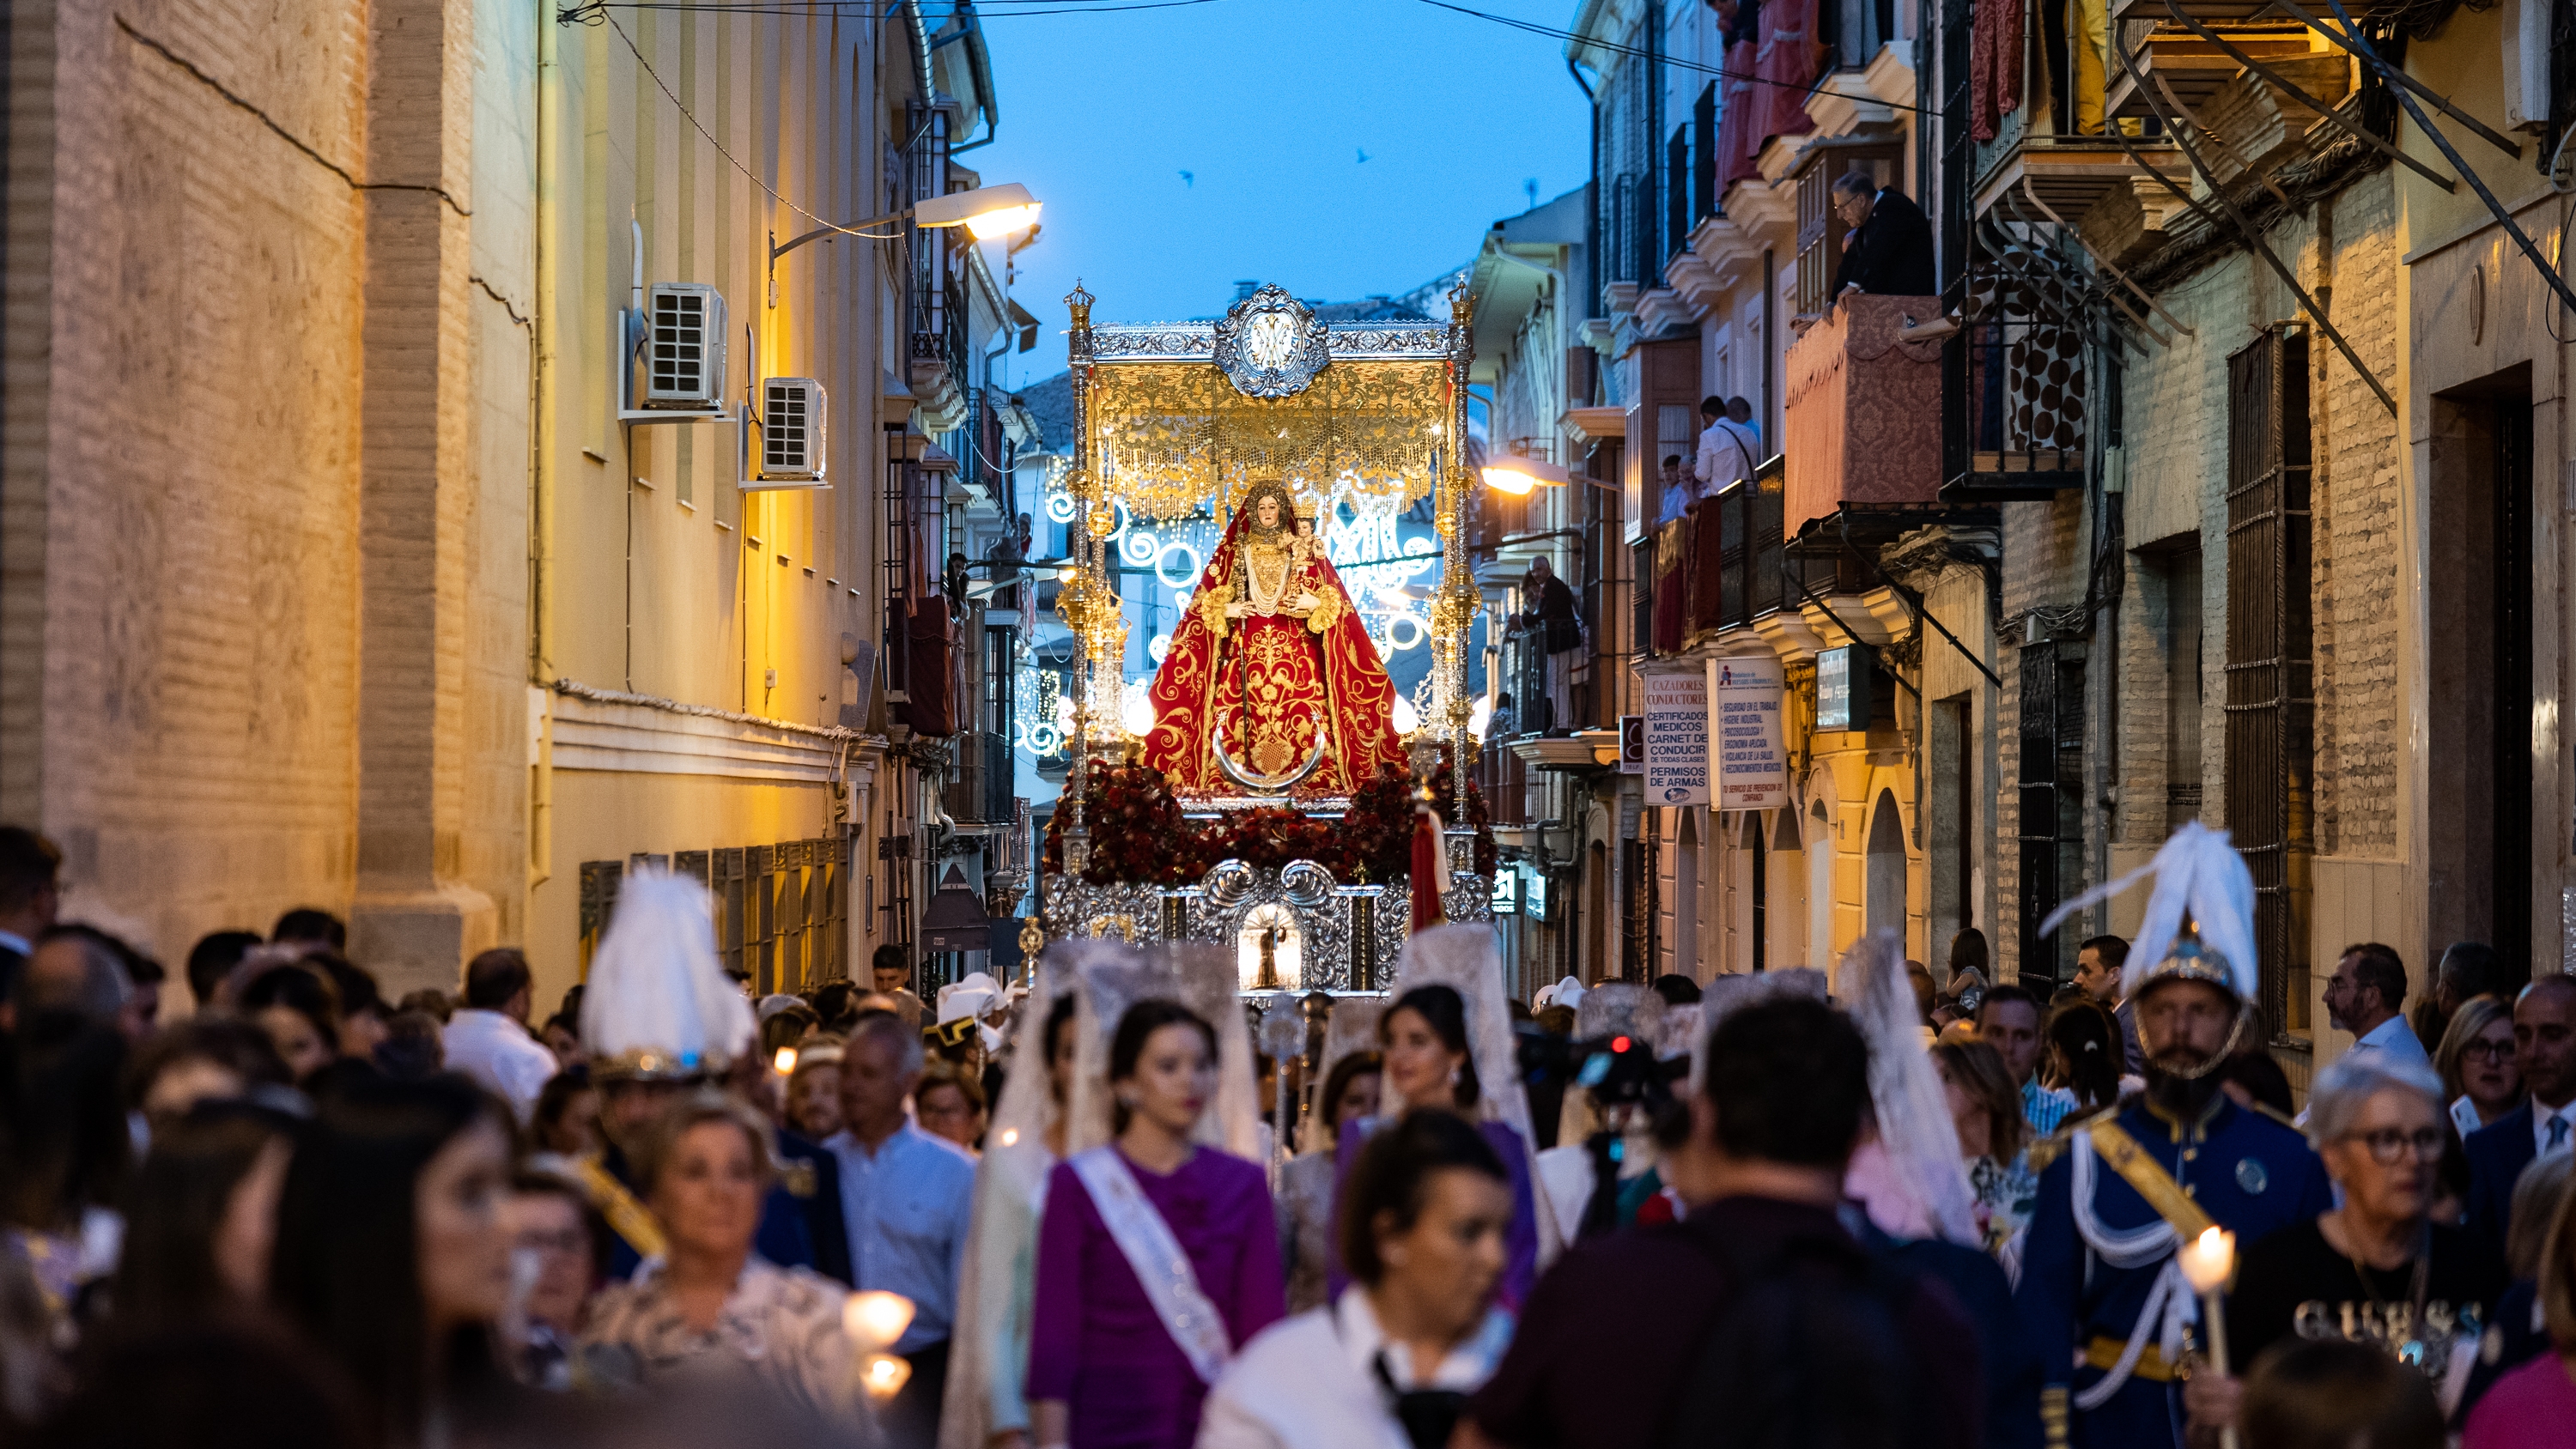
x,y
1307,506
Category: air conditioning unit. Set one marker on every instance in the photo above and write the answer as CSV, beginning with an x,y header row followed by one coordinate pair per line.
x,y
792,414
684,347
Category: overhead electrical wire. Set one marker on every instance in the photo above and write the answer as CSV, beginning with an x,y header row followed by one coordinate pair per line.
x,y
596,12
1632,52
584,13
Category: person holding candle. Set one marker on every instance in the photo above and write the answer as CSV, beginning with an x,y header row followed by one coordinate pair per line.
x,y
2103,1294
710,1307
2377,1269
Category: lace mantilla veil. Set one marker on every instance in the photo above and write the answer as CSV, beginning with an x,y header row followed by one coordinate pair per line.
x,y
1468,959
1905,1096
1008,1186
1200,977
1351,1028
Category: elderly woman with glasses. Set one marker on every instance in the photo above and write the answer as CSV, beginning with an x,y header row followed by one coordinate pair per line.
x,y
2378,1269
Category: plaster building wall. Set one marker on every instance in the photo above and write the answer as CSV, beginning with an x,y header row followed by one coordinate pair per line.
x,y
662,578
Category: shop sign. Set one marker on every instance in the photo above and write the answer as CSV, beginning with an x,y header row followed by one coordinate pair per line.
x,y
1507,891
1537,895
1677,739
1843,679
1752,769
1632,744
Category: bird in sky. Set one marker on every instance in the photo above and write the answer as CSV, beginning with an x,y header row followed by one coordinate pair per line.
x,y
1190,179
1363,156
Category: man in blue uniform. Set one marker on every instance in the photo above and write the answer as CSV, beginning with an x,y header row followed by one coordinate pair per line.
x,y
2100,1292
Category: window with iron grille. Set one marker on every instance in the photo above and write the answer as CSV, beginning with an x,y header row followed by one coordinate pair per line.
x,y
1637,942
1704,156
1677,197
2271,690
2052,803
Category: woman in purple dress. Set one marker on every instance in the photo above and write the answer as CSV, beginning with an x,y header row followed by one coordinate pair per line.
x,y
1157,1258
1429,1065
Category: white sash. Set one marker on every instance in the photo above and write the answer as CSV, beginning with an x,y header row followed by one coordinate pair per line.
x,y
1171,1285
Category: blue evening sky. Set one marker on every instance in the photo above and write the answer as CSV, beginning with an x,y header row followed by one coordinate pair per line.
x,y
1268,105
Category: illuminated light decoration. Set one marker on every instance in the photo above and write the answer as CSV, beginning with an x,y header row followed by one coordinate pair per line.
x,y
1139,547
1157,647
1481,718
1189,573
1407,718
1061,507
1137,714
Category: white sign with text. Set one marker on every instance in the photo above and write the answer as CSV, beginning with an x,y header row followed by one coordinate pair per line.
x,y
1676,739
1744,736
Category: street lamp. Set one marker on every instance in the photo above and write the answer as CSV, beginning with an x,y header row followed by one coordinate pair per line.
x,y
1513,474
987,211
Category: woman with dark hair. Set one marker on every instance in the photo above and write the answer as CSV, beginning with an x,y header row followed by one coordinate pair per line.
x,y
566,1120
1306,1184
1389,1363
393,1252
300,1011
2084,1054
1429,1066
201,1057
201,1219
1156,1259
64,1148
710,1305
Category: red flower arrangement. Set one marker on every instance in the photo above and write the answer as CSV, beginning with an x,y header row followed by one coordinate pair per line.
x,y
1139,835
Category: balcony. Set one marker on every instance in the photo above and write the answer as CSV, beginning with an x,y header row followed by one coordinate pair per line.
x,y
1722,566
979,780
1863,423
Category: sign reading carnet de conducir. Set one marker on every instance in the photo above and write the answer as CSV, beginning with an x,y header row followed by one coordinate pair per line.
x,y
1676,739
1752,769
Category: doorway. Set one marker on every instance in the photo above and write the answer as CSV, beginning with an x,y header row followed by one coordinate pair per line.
x,y
2480,606
1886,873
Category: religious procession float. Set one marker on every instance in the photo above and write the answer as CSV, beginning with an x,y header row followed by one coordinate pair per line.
x,y
1272,790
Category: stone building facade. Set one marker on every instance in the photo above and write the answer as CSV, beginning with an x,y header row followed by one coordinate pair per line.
x,y
336,568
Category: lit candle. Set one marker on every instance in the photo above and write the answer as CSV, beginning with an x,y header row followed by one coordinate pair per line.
x,y
874,1320
2208,1260
884,1376
1010,1136
785,1061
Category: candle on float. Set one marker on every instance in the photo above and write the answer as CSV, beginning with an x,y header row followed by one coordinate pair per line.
x,y
2208,1260
785,1062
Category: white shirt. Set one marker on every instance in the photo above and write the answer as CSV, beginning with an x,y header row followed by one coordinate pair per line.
x,y
1310,1381
2541,1116
500,1056
1726,453
2395,1041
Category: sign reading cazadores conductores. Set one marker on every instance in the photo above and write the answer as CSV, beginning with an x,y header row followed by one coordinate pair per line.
x,y
1676,739
1744,733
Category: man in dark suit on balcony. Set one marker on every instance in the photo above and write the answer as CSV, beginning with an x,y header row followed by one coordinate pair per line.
x,y
1888,247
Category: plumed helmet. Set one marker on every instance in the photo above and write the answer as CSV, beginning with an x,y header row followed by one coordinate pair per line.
x,y
659,1007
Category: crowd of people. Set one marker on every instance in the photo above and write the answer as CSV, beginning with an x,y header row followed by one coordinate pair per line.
x,y
1120,1203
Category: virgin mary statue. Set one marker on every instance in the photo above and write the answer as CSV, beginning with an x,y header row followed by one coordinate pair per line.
x,y
1271,687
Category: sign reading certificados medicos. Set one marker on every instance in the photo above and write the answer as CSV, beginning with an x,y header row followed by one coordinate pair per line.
x,y
1676,739
1752,770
